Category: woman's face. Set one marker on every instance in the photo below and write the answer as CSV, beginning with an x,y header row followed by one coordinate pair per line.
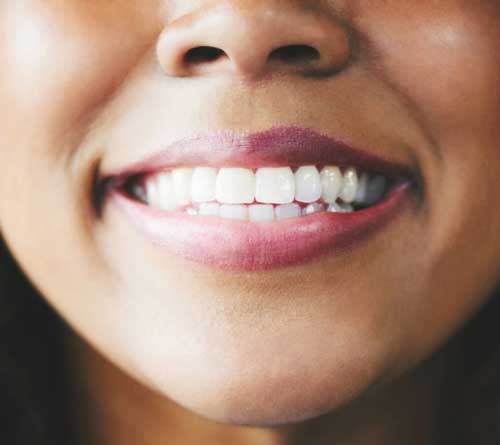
x,y
253,322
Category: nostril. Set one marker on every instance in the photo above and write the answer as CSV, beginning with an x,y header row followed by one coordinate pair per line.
x,y
295,54
203,54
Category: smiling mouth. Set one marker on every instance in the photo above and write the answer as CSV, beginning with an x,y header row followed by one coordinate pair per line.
x,y
255,202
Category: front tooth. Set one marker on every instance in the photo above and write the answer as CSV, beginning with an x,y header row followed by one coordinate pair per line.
x,y
315,207
181,178
331,183
362,188
350,186
275,185
239,212
375,190
166,192
209,209
203,184
336,207
261,213
287,211
235,186
307,184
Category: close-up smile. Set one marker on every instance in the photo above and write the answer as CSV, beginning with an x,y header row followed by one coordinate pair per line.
x,y
254,202
251,222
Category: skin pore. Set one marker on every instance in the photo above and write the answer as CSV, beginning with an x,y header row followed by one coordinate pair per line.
x,y
333,350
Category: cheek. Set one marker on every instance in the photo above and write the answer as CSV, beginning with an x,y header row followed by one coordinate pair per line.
x,y
60,63
450,71
446,62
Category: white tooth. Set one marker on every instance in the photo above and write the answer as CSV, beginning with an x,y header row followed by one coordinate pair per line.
x,y
362,187
209,209
336,207
307,184
260,213
152,195
331,183
166,192
375,190
235,186
181,177
275,185
350,186
315,207
287,211
203,184
191,211
239,212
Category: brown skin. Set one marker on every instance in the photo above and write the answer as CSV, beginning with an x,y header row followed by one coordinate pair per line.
x,y
90,83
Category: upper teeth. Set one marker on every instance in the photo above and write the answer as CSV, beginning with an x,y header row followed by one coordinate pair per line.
x,y
235,186
307,184
207,187
275,185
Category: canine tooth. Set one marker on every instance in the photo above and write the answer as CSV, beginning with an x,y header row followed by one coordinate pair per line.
x,y
315,207
350,186
375,190
181,178
287,211
362,188
331,183
275,185
235,186
307,184
209,209
203,184
261,212
336,207
229,211
166,192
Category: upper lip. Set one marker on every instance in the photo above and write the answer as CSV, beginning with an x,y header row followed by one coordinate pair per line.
x,y
281,146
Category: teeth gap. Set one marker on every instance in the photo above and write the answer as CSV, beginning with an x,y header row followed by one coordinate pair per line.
x,y
245,193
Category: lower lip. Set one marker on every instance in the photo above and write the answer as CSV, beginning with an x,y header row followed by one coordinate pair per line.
x,y
247,246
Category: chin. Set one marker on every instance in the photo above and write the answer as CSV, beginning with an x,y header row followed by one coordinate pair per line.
x,y
275,402
266,394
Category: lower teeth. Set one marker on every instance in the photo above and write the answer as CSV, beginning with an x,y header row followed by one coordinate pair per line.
x,y
266,213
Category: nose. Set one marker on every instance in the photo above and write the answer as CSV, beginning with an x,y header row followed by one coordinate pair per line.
x,y
253,41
